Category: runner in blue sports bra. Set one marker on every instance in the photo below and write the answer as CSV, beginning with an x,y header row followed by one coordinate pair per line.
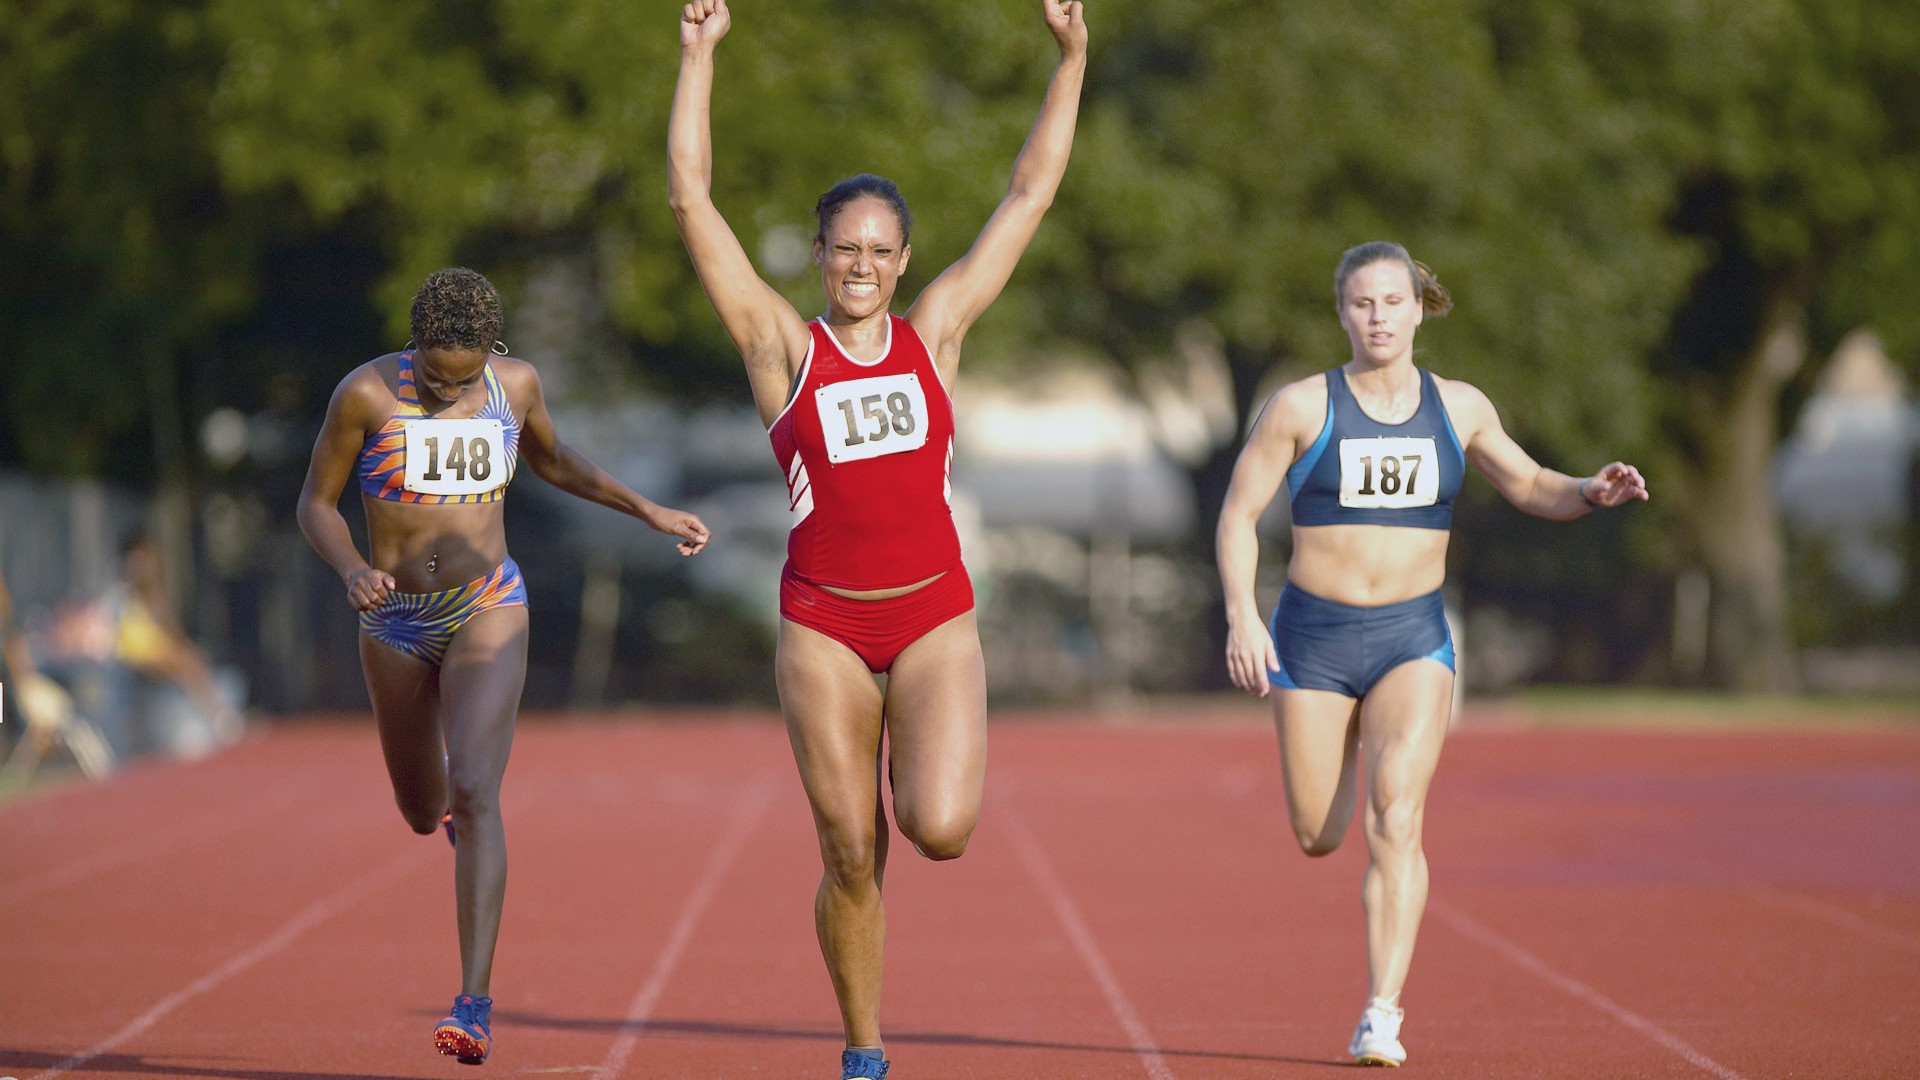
x,y
1357,653
433,435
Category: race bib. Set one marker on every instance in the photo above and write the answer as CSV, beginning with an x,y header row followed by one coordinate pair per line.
x,y
1388,474
870,418
455,457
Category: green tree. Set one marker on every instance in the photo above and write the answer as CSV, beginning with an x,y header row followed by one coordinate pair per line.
x,y
1656,218
1790,133
1234,150
509,132
117,249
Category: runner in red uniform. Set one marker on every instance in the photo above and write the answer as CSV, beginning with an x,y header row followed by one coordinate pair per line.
x,y
852,431
856,404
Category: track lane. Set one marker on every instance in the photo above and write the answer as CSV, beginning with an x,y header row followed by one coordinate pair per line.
x,y
1736,892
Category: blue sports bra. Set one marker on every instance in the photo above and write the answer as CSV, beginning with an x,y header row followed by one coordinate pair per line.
x,y
1363,472
458,460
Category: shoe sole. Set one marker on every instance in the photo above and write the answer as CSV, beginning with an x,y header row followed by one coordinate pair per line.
x,y
461,1046
1373,1060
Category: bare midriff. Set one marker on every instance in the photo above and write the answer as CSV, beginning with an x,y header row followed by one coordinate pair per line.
x,y
432,548
884,594
1367,565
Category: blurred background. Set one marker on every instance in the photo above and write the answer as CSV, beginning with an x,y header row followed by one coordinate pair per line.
x,y
1683,233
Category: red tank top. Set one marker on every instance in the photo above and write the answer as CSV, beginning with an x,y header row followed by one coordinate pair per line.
x,y
867,449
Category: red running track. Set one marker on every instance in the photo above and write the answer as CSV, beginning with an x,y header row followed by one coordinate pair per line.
x,y
1605,905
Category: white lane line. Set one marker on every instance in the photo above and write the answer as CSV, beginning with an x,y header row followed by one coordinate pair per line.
x,y
312,916
1035,858
725,852
140,849
1521,958
1835,915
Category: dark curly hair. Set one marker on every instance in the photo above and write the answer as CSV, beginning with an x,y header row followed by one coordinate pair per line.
x,y
854,187
456,308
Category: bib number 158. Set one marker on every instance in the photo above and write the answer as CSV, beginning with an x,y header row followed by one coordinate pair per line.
x,y
869,418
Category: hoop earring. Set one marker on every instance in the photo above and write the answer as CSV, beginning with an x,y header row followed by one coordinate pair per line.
x,y
499,348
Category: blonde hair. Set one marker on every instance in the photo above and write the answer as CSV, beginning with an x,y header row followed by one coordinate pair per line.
x,y
1435,300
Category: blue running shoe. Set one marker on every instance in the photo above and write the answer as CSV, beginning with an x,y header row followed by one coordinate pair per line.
x,y
863,1065
466,1035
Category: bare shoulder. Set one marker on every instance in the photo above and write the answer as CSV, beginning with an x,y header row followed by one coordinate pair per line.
x,y
1465,403
1297,407
520,378
369,387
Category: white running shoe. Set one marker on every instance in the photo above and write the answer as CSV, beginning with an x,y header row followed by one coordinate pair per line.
x,y
1377,1040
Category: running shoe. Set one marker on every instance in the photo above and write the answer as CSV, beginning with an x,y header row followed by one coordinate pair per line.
x,y
466,1034
855,1065
1377,1040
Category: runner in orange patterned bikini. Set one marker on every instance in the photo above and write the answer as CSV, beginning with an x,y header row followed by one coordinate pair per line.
x,y
433,435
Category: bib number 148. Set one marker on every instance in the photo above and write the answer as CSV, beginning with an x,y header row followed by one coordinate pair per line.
x,y
454,457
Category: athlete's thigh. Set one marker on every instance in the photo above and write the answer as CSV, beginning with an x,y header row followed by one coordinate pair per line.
x,y
1403,725
1318,735
405,693
937,725
832,709
481,678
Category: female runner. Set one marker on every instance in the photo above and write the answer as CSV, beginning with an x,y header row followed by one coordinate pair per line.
x,y
431,435
1358,653
858,410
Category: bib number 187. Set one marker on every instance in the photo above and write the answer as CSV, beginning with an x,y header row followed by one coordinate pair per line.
x,y
1388,473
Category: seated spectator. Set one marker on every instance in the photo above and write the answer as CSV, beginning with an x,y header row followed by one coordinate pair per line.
x,y
134,669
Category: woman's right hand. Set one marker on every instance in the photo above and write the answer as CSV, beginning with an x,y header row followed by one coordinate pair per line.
x,y
704,22
1069,26
1250,655
368,589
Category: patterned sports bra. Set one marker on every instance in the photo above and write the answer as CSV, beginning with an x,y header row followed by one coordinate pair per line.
x,y
419,458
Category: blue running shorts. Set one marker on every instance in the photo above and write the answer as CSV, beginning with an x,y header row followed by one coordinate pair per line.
x,y
1325,645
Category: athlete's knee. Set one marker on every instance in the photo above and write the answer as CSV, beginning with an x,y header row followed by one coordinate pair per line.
x,y
941,839
1322,835
850,857
471,795
1318,843
419,818
1395,824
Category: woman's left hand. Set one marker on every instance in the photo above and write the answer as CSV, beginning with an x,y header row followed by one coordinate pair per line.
x,y
1615,484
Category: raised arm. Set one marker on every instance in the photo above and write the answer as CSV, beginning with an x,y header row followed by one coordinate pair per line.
x,y
771,336
334,453
1524,482
948,307
570,471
